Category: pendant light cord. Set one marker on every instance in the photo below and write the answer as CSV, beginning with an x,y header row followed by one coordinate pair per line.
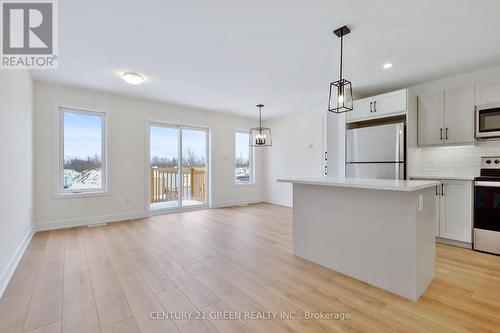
x,y
341,53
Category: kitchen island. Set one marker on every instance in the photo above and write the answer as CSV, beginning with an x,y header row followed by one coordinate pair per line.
x,y
377,231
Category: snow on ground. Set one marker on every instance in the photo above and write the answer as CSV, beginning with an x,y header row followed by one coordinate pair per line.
x,y
243,174
75,180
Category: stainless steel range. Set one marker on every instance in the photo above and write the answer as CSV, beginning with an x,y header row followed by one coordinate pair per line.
x,y
487,206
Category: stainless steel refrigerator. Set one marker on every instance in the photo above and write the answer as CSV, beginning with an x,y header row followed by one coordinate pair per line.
x,y
376,152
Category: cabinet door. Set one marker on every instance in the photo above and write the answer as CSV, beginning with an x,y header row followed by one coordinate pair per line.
x,y
431,119
488,92
361,110
456,211
390,103
459,115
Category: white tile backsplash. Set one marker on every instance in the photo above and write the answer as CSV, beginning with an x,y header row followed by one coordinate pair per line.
x,y
454,160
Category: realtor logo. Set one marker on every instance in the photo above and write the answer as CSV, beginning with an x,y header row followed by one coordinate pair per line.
x,y
29,34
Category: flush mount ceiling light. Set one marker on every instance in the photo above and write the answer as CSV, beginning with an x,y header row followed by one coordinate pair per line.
x,y
340,96
133,78
387,65
260,136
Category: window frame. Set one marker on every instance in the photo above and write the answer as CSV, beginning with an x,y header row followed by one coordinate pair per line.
x,y
251,162
59,170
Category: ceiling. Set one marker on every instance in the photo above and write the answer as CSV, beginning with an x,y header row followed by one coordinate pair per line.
x,y
228,55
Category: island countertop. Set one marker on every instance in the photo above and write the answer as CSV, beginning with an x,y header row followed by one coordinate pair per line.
x,y
374,184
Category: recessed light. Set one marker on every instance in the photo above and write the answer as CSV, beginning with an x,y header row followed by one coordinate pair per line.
x,y
387,66
133,78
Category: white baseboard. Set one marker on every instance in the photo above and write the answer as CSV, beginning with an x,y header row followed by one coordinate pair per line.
x,y
233,203
453,242
77,222
14,261
279,203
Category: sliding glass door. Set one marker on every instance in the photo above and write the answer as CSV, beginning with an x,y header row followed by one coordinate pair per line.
x,y
178,167
164,155
194,166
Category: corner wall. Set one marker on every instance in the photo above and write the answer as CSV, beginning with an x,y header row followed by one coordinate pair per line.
x,y
16,169
297,151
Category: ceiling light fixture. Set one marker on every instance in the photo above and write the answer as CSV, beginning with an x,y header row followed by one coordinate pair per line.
x,y
387,66
133,78
260,136
340,96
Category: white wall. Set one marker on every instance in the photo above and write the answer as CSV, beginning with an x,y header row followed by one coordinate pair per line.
x,y
297,151
127,170
16,168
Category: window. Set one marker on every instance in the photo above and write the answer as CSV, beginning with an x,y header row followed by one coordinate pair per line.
x,y
82,151
243,172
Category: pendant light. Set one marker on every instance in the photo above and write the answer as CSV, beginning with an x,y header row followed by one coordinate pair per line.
x,y
260,136
340,97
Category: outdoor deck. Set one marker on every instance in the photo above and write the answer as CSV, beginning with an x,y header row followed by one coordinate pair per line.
x,y
166,189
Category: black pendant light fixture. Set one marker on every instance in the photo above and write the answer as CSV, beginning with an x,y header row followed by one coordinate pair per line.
x,y
260,136
340,97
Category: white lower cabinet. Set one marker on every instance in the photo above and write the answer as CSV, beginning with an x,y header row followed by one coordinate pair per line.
x,y
454,213
456,210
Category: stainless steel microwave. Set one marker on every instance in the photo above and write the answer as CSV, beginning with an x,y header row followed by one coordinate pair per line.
x,y
488,122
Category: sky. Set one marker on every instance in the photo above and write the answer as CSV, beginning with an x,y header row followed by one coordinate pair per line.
x,y
164,142
242,146
82,135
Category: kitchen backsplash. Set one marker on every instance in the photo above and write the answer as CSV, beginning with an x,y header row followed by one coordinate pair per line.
x,y
455,160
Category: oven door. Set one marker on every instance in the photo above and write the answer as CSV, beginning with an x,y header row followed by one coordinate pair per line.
x,y
487,205
488,121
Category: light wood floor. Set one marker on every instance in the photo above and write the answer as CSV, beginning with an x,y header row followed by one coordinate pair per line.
x,y
111,278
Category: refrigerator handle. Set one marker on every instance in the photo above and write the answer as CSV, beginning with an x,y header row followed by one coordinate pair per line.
x,y
401,144
399,172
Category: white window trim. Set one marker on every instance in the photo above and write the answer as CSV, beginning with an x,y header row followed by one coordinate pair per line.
x,y
59,152
251,182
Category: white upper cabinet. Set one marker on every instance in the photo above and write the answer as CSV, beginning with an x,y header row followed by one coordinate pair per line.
x,y
446,116
487,93
361,110
459,115
431,118
390,104
385,105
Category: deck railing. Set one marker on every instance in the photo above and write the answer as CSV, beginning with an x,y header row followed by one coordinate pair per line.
x,y
165,184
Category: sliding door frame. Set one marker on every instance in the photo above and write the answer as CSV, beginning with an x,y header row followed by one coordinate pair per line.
x,y
180,207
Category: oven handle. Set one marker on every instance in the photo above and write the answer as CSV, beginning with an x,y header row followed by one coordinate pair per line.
x,y
487,184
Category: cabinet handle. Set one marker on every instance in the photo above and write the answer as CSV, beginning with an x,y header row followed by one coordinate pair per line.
x,y
375,106
442,189
446,133
437,190
371,107
441,134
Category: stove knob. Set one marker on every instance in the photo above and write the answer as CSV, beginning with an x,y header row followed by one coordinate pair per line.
x,y
488,161
497,161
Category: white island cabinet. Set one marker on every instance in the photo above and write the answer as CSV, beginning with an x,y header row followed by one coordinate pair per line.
x,y
375,230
